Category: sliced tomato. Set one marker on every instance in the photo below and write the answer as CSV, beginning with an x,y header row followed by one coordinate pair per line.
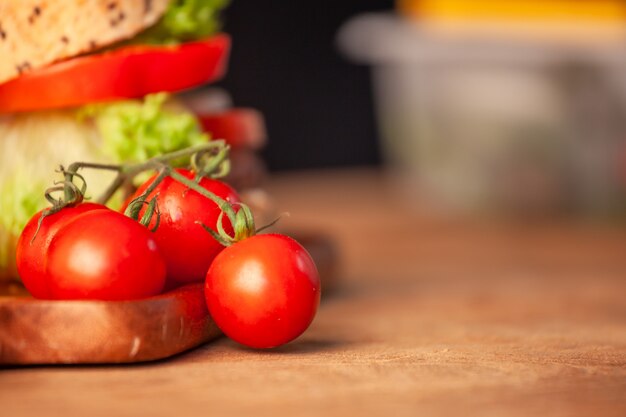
x,y
124,73
240,128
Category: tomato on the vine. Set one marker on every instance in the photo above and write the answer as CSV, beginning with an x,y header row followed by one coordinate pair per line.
x,y
104,255
32,249
187,248
263,291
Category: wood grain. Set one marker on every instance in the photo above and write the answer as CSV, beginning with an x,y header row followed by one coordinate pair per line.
x,y
432,316
78,332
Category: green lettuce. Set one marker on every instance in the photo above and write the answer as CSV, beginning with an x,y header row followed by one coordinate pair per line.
x,y
134,131
183,21
17,205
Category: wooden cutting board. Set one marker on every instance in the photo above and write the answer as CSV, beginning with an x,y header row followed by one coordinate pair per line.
x,y
63,332
36,332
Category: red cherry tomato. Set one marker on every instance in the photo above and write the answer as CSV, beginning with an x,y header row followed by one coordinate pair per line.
x,y
187,248
104,255
263,291
32,253
128,72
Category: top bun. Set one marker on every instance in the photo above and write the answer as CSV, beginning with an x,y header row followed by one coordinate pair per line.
x,y
34,33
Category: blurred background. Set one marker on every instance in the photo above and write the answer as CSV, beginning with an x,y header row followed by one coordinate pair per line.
x,y
317,105
514,106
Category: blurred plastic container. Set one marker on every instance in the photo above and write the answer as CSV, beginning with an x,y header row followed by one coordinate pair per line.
x,y
489,123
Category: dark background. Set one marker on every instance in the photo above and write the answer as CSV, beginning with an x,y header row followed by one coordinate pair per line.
x,y
318,106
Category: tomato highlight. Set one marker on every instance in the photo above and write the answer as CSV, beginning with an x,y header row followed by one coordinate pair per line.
x,y
104,255
263,291
33,244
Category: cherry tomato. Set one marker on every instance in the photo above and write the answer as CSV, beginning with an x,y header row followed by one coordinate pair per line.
x,y
104,255
128,72
32,252
187,248
263,291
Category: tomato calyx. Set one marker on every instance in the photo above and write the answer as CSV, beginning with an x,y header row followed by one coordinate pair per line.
x,y
210,163
243,226
209,160
242,219
73,195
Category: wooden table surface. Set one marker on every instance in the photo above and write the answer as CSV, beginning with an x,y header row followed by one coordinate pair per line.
x,y
431,317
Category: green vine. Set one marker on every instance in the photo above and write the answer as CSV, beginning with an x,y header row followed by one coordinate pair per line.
x,y
208,160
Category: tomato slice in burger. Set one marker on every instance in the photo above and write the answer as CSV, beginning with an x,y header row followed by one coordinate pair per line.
x,y
240,128
129,72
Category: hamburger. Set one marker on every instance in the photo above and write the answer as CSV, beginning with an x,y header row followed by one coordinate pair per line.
x,y
108,81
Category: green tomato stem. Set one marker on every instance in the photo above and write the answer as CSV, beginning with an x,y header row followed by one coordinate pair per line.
x,y
134,207
214,166
210,160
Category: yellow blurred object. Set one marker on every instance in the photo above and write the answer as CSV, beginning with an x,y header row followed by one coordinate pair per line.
x,y
605,10
584,20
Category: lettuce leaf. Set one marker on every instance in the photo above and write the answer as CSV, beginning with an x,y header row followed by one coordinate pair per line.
x,y
134,130
18,204
183,21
